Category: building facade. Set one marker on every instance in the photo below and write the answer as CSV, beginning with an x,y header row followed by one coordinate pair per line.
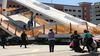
x,y
82,11
95,13
86,10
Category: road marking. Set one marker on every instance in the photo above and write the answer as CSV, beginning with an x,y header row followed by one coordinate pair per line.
x,y
29,55
33,54
22,55
35,50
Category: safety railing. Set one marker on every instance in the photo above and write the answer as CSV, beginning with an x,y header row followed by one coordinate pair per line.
x,y
42,21
8,26
58,29
38,19
30,33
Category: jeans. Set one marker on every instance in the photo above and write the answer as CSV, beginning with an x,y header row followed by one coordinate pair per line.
x,y
51,45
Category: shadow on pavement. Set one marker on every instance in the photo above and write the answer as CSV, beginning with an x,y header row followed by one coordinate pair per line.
x,y
90,54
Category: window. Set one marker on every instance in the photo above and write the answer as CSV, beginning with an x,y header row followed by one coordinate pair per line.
x,y
79,10
74,15
91,19
17,6
46,19
66,9
13,5
9,5
85,15
99,11
98,7
85,10
61,9
58,9
37,14
95,7
95,11
51,20
91,8
79,15
0,4
40,14
54,21
91,15
70,10
74,10
98,15
90,11
98,19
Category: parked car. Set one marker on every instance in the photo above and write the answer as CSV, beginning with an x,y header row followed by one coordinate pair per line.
x,y
12,40
97,39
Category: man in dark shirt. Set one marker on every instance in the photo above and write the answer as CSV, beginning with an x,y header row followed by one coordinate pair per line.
x,y
23,38
3,39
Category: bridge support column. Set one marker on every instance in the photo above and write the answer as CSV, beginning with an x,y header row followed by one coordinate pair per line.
x,y
4,6
33,17
86,26
70,28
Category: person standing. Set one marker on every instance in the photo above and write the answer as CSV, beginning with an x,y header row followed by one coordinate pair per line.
x,y
51,39
29,24
3,39
24,27
89,40
23,39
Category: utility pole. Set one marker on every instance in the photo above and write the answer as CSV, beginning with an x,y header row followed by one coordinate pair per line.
x,y
51,1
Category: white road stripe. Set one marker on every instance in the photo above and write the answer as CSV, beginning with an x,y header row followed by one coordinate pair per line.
x,y
35,50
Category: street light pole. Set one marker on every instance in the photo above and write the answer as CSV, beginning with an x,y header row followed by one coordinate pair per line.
x,y
51,1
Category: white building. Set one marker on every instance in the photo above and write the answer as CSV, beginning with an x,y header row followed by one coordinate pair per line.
x,y
95,13
76,11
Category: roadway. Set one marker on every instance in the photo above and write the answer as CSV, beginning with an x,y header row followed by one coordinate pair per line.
x,y
42,50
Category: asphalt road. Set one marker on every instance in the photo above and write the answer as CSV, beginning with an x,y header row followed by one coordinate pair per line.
x,y
42,50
